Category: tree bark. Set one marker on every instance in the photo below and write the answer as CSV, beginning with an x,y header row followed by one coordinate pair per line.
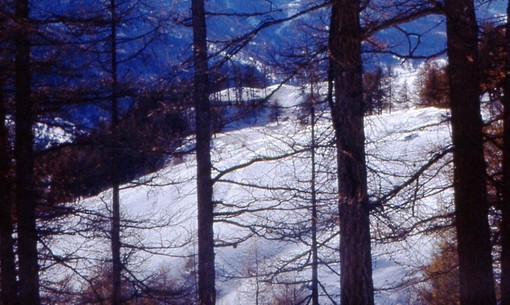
x,y
206,268
471,205
505,206
8,282
23,151
315,217
355,248
115,218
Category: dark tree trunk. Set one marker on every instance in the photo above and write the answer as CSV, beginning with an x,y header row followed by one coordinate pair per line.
x,y
505,207
8,282
315,246
115,220
23,151
355,248
206,268
471,205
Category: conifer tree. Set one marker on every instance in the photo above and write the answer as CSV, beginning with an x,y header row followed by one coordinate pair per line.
x,y
206,268
470,193
24,155
505,206
347,110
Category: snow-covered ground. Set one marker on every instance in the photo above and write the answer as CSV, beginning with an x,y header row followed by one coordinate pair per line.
x,y
263,206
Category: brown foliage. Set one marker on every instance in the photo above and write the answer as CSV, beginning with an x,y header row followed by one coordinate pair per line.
x,y
434,90
443,276
161,288
492,58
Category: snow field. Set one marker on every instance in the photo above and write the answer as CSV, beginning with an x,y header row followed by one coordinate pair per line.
x,y
269,196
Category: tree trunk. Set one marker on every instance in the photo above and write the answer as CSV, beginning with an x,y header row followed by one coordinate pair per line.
x,y
8,282
313,186
471,205
355,248
505,207
206,268
23,151
115,220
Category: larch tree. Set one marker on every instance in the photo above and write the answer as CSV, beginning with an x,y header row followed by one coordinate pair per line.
x,y
313,190
345,40
24,155
8,281
104,48
470,192
505,206
314,204
115,217
122,44
206,268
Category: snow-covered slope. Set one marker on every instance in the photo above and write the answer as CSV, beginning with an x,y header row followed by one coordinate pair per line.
x,y
263,210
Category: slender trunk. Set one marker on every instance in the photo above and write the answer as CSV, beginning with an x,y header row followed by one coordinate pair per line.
x,y
471,205
23,151
313,185
116,245
315,256
8,282
355,248
206,268
257,280
505,207
115,221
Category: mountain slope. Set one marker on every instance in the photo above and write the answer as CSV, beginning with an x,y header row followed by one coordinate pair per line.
x,y
263,210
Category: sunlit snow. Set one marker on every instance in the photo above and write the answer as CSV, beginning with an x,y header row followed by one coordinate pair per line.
x,y
269,195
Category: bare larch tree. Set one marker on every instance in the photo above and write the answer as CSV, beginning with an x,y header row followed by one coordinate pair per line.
x,y
24,155
347,109
471,205
206,268
505,207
